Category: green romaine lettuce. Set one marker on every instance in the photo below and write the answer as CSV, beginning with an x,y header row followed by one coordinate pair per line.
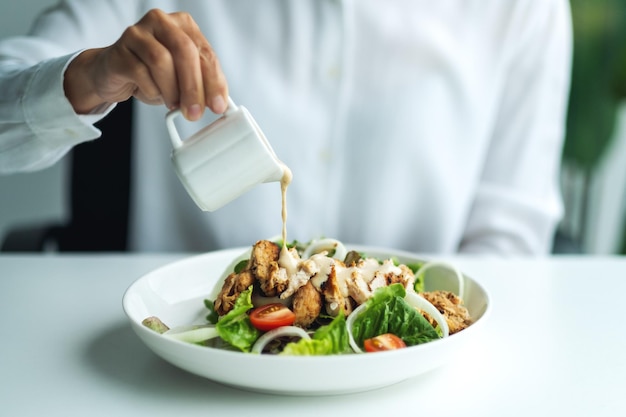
x,y
327,340
235,327
388,312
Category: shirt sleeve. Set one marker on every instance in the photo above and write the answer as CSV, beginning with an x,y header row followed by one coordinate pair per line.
x,y
518,202
37,123
40,125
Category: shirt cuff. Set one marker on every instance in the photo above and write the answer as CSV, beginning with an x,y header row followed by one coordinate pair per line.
x,y
48,112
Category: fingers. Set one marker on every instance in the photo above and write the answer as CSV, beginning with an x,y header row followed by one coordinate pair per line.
x,y
168,60
215,92
210,85
150,65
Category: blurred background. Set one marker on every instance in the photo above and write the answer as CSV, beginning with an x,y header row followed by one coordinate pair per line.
x,y
594,158
40,196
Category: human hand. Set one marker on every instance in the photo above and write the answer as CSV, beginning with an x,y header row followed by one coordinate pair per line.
x,y
163,58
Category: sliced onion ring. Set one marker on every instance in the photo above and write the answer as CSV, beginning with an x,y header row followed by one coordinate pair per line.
x,y
262,341
457,272
192,334
419,302
349,322
329,245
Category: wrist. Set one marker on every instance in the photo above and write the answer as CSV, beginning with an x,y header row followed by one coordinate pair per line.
x,y
78,85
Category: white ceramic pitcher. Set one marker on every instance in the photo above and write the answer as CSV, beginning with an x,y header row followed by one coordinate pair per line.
x,y
223,160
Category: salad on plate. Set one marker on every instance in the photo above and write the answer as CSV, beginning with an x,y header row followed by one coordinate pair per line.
x,y
318,298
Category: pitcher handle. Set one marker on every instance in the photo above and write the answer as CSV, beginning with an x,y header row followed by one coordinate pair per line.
x,y
171,126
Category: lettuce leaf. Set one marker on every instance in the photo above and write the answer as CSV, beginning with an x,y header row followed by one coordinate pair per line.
x,y
235,327
327,340
388,312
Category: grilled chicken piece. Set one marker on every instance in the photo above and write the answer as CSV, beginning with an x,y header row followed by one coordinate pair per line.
x,y
406,278
358,289
307,305
361,284
451,306
275,282
306,269
263,260
264,267
233,286
335,300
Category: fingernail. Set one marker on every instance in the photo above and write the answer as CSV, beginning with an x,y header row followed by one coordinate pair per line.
x,y
194,112
218,105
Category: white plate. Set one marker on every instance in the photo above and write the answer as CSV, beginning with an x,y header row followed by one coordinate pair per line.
x,y
175,294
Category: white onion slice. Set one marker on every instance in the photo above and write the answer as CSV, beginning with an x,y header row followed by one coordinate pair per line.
x,y
426,306
192,334
317,246
457,272
349,322
262,341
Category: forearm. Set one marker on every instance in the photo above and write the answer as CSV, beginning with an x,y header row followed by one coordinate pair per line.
x,y
78,87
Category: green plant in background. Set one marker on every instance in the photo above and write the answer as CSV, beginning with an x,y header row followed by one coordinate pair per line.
x,y
598,86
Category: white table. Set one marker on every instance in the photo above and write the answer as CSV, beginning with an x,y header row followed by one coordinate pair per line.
x,y
555,344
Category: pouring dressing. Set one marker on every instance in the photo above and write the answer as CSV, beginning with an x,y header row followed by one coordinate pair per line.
x,y
225,159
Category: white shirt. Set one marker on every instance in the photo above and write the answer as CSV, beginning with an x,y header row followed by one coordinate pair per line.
x,y
434,127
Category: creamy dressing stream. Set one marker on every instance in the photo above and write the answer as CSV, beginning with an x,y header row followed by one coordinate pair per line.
x,y
284,183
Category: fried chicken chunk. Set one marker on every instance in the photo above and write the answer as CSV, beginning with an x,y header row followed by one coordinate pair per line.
x,y
261,267
307,305
336,301
233,286
264,267
452,309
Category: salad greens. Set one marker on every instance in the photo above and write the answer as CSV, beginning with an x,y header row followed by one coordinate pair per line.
x,y
233,330
385,312
388,312
235,327
327,340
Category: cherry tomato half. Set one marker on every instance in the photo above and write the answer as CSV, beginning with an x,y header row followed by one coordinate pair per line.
x,y
271,316
387,341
